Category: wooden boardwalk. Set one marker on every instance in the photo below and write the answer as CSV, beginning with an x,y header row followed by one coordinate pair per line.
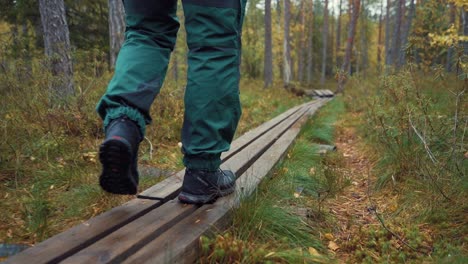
x,y
155,227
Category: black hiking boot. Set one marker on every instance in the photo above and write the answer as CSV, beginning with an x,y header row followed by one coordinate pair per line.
x,y
201,186
119,157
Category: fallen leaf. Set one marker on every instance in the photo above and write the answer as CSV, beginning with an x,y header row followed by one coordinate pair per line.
x,y
329,236
312,171
333,246
314,252
269,254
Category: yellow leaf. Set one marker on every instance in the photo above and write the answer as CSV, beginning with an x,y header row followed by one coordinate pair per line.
x,y
269,254
333,246
329,236
314,252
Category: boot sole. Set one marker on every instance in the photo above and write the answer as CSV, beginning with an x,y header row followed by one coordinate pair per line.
x,y
116,158
188,198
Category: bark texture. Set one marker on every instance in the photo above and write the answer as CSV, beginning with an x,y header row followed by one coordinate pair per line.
x,y
324,41
349,44
268,58
287,45
116,29
388,36
338,35
57,46
310,45
396,43
405,33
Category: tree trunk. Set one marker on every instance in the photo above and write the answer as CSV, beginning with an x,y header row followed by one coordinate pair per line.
x,y
450,51
310,45
57,47
397,33
338,36
388,37
379,41
364,39
116,29
324,41
331,39
268,59
349,44
286,45
300,57
405,34
465,30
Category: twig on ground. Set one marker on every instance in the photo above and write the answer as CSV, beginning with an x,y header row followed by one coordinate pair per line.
x,y
431,156
426,146
373,209
151,148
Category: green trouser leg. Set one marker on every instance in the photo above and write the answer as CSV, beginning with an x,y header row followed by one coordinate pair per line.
x,y
141,66
212,106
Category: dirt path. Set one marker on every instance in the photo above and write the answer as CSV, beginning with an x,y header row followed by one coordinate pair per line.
x,y
353,208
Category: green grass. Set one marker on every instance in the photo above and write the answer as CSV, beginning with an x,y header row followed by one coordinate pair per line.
x,y
273,225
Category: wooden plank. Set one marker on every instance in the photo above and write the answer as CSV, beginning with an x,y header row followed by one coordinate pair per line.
x,y
180,244
120,244
58,247
253,134
327,93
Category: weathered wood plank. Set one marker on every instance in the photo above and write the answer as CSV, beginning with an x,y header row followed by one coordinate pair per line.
x,y
55,249
255,133
120,244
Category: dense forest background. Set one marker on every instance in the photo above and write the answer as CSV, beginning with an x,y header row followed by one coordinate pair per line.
x,y
302,42
399,67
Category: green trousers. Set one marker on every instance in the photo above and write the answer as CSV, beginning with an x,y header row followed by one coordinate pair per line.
x,y
212,107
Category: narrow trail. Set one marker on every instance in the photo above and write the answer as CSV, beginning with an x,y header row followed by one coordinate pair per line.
x,y
353,208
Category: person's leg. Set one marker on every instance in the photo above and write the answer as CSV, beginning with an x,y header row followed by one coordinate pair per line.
x,y
139,73
212,106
